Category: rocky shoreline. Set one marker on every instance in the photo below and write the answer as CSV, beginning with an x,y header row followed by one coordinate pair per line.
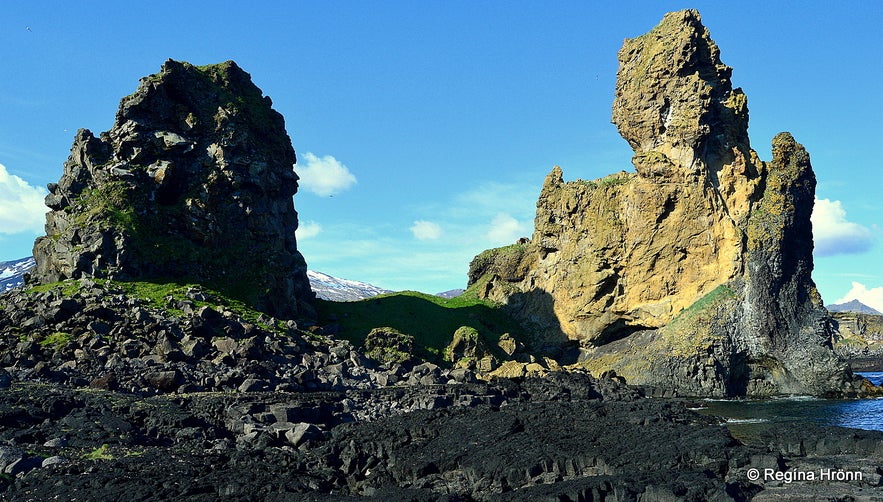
x,y
563,437
176,392
173,392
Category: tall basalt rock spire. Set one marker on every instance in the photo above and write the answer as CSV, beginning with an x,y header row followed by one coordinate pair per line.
x,y
194,182
693,272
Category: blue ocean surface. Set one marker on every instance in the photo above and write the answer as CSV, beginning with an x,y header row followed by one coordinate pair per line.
x,y
745,417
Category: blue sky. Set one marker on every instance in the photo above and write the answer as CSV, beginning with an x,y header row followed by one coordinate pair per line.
x,y
424,129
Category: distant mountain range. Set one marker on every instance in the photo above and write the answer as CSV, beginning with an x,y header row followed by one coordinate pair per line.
x,y
11,272
451,293
331,288
852,306
335,289
325,286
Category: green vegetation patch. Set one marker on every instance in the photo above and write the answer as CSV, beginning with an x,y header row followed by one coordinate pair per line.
x,y
241,97
66,289
701,307
389,345
56,340
615,180
112,202
430,320
100,453
510,263
691,331
161,294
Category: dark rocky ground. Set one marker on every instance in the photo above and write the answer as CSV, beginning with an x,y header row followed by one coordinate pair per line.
x,y
566,437
109,392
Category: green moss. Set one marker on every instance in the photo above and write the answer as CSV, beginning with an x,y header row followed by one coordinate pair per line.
x,y
111,204
466,333
510,263
585,184
389,345
100,453
431,320
237,269
614,180
701,306
690,332
66,288
56,340
510,253
240,98
161,294
852,342
464,338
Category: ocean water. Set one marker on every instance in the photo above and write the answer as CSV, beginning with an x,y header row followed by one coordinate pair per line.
x,y
745,418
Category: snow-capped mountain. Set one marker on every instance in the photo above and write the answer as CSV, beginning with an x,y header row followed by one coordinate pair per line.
x,y
331,288
325,286
452,293
11,272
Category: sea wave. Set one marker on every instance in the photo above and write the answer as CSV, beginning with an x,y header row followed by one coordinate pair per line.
x,y
747,420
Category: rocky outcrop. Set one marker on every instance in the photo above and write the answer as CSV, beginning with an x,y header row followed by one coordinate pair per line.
x,y
693,272
194,182
858,336
148,339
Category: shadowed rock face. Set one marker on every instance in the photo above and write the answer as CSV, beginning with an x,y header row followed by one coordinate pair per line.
x,y
193,182
694,271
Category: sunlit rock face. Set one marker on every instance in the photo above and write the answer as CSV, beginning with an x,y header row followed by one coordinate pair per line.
x,y
193,182
693,271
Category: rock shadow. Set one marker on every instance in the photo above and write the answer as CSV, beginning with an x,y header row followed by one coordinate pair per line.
x,y
535,309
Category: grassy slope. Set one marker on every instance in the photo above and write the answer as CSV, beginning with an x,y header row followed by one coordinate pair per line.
x,y
431,320
163,295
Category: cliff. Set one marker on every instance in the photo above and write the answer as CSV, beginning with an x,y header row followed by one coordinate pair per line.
x,y
693,272
858,335
194,182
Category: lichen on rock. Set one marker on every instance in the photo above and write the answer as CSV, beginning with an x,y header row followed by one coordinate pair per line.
x,y
693,272
193,182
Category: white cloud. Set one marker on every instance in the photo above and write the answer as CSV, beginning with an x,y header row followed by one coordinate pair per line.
x,y
872,297
485,215
517,199
21,205
307,229
426,230
834,234
505,229
324,175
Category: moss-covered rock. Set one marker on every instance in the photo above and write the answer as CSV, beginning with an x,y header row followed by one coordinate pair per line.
x,y
466,349
694,272
193,182
389,345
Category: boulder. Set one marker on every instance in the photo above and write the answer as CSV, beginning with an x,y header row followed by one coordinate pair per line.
x,y
389,345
